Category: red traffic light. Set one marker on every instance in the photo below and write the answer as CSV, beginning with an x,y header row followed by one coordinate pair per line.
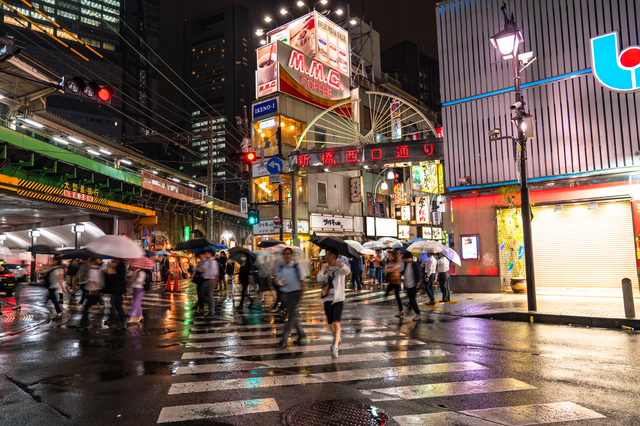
x,y
250,157
105,93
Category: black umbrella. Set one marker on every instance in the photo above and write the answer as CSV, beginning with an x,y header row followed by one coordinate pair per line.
x,y
194,244
43,249
79,254
237,252
269,243
342,247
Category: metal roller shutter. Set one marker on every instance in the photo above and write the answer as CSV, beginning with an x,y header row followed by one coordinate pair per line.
x,y
582,251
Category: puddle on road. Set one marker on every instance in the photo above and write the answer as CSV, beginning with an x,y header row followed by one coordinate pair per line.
x,y
123,369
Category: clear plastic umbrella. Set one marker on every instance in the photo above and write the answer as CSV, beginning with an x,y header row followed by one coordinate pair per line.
x,y
389,241
432,247
270,258
374,245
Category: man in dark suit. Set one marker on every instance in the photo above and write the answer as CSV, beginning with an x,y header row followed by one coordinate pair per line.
x,y
165,269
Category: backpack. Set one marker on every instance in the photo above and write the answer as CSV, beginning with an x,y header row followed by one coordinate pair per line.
x,y
72,271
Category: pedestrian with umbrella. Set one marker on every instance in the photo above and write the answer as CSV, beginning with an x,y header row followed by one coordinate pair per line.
x,y
246,279
54,280
412,278
139,268
443,277
333,274
210,272
291,279
95,283
117,287
392,269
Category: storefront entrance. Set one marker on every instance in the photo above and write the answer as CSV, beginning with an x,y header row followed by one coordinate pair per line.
x,y
593,241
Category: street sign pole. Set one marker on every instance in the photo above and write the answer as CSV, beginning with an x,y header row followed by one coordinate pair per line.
x,y
280,191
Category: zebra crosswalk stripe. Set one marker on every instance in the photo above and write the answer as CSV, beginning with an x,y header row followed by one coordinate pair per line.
x,y
307,361
247,342
435,390
302,349
336,376
219,409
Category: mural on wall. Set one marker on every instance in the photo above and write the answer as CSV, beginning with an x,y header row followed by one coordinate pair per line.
x,y
510,242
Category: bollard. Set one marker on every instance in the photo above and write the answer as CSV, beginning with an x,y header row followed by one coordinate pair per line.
x,y
627,296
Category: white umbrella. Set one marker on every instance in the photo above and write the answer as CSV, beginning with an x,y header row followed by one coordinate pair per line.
x,y
369,252
433,247
356,245
116,246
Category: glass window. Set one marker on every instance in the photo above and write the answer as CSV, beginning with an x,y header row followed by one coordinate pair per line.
x,y
108,46
62,34
322,193
265,131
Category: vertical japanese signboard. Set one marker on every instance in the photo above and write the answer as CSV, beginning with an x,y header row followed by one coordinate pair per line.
x,y
355,184
398,194
422,209
396,121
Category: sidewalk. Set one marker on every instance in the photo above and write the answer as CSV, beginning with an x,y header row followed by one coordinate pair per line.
x,y
588,311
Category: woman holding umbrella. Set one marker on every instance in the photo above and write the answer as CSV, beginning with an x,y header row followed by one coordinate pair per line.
x,y
334,273
139,267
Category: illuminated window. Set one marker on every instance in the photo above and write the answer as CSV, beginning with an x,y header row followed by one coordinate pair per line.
x,y
49,1
68,15
49,9
109,18
91,42
62,34
45,28
322,193
90,21
108,46
15,21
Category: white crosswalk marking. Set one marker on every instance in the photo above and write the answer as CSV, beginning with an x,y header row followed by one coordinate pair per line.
x,y
220,409
239,352
236,342
306,362
434,390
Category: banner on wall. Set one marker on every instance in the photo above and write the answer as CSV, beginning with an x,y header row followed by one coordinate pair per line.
x,y
422,209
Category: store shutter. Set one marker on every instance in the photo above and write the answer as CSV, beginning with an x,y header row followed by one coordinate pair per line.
x,y
582,251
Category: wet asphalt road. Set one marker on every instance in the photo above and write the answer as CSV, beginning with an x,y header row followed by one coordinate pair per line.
x,y
54,375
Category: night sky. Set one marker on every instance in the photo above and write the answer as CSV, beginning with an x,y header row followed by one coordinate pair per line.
x,y
395,20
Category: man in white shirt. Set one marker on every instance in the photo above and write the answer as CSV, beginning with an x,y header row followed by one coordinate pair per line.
x,y
210,272
430,276
443,277
336,272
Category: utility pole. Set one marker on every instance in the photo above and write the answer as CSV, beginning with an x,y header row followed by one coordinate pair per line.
x,y
280,191
210,173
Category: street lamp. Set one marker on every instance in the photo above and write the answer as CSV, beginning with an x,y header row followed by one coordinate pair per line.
x,y
302,4
507,42
77,229
259,32
267,19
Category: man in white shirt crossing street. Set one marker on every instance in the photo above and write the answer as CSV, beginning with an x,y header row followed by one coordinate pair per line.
x,y
443,277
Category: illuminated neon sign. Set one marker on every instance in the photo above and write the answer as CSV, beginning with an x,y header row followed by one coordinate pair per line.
x,y
615,70
367,155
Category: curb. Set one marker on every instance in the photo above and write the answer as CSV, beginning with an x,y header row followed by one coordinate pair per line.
x,y
600,322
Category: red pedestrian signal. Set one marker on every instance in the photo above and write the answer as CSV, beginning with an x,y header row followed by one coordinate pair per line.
x,y
250,157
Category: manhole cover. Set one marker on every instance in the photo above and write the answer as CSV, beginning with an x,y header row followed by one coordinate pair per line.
x,y
335,413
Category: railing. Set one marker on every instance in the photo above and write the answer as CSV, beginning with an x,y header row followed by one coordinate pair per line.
x,y
175,190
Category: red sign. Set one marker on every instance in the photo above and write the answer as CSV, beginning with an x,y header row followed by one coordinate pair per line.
x,y
78,196
439,132
369,155
276,220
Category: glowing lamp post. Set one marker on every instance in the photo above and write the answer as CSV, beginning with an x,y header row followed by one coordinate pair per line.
x,y
507,42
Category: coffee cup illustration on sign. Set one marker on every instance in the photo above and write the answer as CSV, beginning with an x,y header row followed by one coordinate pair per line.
x,y
267,68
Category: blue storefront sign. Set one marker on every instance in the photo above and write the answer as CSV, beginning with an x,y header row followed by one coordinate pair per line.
x,y
264,108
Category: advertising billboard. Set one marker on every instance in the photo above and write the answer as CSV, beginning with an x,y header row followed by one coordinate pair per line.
x,y
267,74
427,177
470,247
318,38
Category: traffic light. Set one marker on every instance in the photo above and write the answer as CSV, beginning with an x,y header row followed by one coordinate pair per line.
x,y
249,157
89,90
254,217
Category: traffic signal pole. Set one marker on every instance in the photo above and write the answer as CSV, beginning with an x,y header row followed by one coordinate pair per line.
x,y
280,191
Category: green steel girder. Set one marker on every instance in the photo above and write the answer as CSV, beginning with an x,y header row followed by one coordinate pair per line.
x,y
49,150
45,170
3,152
103,185
20,164
65,178
87,181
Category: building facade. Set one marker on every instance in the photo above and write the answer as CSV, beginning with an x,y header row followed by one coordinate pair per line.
x,y
418,74
219,67
583,161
